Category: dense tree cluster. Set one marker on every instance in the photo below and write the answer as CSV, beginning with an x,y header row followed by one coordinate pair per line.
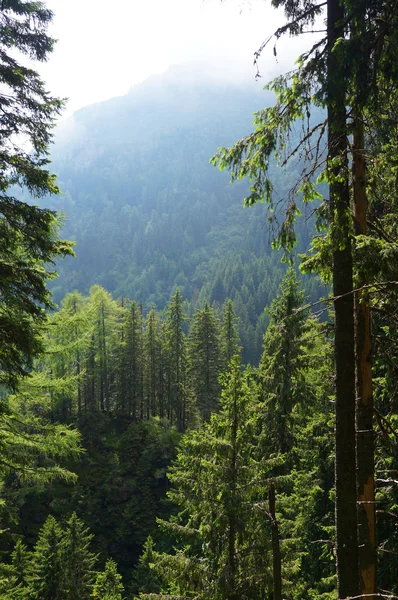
x,y
256,494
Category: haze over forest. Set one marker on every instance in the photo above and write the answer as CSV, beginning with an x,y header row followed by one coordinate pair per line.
x,y
198,399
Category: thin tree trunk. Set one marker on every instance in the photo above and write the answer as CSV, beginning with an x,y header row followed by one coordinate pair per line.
x,y
345,462
365,435
276,551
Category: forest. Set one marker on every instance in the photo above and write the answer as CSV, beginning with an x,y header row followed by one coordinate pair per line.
x,y
203,405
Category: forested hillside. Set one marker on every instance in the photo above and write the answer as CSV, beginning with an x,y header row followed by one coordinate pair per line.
x,y
186,428
148,211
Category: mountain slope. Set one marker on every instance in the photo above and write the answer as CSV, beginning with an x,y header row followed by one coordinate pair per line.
x,y
147,210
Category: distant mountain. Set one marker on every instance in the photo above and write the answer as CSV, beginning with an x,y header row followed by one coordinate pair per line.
x,y
147,210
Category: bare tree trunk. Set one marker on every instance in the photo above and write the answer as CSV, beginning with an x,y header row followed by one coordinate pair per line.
x,y
364,406
345,462
276,551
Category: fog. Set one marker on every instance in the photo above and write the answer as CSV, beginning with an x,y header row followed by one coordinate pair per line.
x,y
104,48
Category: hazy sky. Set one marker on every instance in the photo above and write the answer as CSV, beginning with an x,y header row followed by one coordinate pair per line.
x,y
104,47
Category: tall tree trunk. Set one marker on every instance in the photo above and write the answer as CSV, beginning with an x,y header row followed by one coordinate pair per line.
x,y
365,435
276,551
345,462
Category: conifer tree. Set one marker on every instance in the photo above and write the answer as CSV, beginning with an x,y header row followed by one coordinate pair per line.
x,y
175,348
108,585
282,384
220,489
47,575
29,244
327,76
132,362
71,332
229,334
78,561
18,586
145,579
152,357
205,360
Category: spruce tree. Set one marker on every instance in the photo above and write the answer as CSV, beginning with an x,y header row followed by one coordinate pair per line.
x,y
229,334
205,360
281,380
78,561
176,357
47,574
327,76
19,586
145,579
222,533
29,243
108,585
152,358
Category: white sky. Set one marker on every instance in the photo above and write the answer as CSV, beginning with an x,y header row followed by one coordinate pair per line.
x,y
104,47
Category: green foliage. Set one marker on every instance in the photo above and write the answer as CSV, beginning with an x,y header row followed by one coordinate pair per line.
x,y
205,360
78,561
229,334
176,353
28,234
223,547
108,585
145,580
47,577
281,367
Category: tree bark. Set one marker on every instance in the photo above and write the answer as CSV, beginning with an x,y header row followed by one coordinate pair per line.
x,y
276,552
341,231
364,401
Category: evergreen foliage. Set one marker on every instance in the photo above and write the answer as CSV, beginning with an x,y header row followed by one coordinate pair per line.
x,y
205,360
47,575
29,242
108,585
78,560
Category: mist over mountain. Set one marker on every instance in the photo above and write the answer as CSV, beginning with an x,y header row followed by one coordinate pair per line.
x,y
147,210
